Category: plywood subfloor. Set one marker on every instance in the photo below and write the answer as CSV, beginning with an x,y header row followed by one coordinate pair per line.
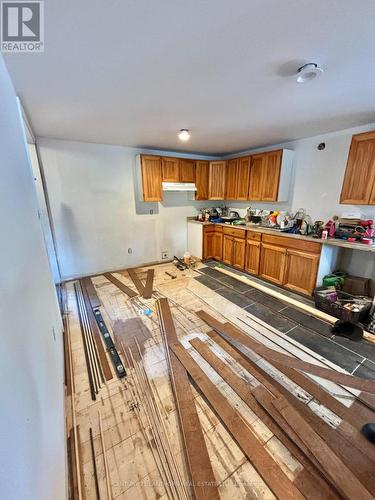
x,y
133,472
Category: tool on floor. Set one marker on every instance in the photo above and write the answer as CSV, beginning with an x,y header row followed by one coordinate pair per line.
x,y
173,276
180,264
117,363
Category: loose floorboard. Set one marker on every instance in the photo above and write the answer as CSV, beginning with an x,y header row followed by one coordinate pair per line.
x,y
133,471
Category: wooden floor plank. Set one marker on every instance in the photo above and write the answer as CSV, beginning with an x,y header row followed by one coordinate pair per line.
x,y
120,285
91,291
265,465
202,476
271,355
355,460
343,479
147,294
307,481
137,282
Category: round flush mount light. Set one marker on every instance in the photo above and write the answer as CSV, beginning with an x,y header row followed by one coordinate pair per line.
x,y
184,134
308,72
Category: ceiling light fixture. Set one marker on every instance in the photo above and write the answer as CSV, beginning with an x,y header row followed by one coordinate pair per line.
x,y
308,72
184,134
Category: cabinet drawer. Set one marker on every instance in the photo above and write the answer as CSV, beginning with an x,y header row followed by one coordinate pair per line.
x,y
252,236
294,243
230,231
218,229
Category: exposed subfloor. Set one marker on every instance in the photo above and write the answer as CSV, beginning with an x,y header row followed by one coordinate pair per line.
x,y
356,357
133,472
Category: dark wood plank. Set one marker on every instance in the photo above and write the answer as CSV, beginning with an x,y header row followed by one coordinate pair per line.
x,y
67,374
307,481
147,294
200,468
236,334
93,296
103,360
355,460
265,465
80,464
137,282
73,467
120,285
343,479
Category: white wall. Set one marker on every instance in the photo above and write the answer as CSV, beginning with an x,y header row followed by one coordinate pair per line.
x,y
91,190
92,201
32,458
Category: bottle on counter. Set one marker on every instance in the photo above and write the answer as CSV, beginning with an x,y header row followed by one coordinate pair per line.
x,y
324,234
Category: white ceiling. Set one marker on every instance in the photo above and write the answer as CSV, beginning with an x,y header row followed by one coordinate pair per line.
x,y
134,72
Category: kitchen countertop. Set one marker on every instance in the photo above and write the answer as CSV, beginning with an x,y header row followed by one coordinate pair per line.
x,y
258,229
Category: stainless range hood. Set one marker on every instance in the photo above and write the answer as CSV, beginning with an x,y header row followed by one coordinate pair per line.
x,y
179,186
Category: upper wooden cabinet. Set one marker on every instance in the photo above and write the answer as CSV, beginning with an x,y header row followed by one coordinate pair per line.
x,y
243,173
359,181
231,180
151,178
170,169
187,170
177,169
216,180
258,163
201,179
271,175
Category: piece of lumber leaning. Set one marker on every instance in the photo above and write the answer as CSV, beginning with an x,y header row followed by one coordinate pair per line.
x,y
343,479
265,465
93,296
200,468
147,293
137,282
234,333
120,285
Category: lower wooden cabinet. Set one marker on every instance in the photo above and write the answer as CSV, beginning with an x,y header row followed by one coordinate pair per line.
x,y
300,271
234,251
272,263
212,243
253,257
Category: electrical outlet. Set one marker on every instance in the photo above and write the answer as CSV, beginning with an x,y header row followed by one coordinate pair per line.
x,y
164,255
130,250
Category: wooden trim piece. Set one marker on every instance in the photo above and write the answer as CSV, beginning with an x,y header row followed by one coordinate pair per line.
x,y
137,282
307,481
91,292
104,364
104,449
265,465
95,469
80,464
237,335
120,285
289,300
342,478
202,476
67,372
147,293
72,469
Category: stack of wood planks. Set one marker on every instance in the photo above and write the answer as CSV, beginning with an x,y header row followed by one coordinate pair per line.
x,y
337,463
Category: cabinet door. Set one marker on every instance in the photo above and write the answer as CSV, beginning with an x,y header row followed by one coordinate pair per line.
x,y
208,244
372,196
271,175
227,249
301,271
360,170
201,181
231,180
216,182
218,246
170,170
243,173
272,263
187,170
253,257
151,178
238,259
255,179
